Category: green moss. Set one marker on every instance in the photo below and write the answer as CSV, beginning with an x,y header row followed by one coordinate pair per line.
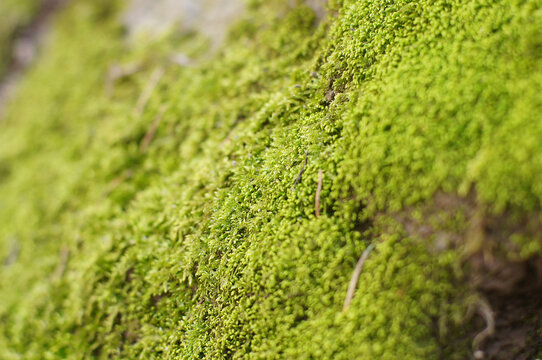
x,y
202,246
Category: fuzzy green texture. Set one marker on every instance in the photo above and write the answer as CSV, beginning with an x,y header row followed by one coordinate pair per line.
x,y
204,245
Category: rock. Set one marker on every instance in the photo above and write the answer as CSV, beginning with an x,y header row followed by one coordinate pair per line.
x,y
154,18
319,7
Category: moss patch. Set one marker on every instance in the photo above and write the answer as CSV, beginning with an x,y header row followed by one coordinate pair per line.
x,y
202,244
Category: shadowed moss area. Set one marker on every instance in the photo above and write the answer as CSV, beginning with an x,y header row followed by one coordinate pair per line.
x,y
185,230
13,15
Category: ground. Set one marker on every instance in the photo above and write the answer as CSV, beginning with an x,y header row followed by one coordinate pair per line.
x,y
178,197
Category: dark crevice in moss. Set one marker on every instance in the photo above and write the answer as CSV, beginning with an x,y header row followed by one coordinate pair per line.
x,y
22,45
494,265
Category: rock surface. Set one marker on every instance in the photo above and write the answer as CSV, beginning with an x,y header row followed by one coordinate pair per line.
x,y
154,18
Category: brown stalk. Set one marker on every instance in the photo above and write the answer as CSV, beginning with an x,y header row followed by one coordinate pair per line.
x,y
152,130
355,277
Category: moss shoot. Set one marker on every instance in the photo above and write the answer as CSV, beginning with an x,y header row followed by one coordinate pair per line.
x,y
185,226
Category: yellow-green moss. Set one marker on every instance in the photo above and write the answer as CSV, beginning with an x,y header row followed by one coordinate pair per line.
x,y
201,246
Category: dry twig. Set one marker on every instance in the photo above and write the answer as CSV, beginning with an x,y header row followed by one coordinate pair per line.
x,y
152,130
113,184
63,261
355,277
13,254
298,179
485,311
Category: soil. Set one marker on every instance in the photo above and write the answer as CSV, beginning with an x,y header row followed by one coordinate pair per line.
x,y
509,326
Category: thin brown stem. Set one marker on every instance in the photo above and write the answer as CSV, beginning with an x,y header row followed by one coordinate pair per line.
x,y
355,277
62,263
151,131
485,311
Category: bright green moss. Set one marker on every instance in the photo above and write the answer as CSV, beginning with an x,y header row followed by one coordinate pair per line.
x,y
201,247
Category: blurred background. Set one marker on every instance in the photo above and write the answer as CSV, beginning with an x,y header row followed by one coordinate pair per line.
x,y
24,25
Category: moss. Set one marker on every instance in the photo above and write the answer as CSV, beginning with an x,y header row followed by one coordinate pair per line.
x,y
201,246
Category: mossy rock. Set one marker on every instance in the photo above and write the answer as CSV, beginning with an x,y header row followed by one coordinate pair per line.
x,y
173,211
